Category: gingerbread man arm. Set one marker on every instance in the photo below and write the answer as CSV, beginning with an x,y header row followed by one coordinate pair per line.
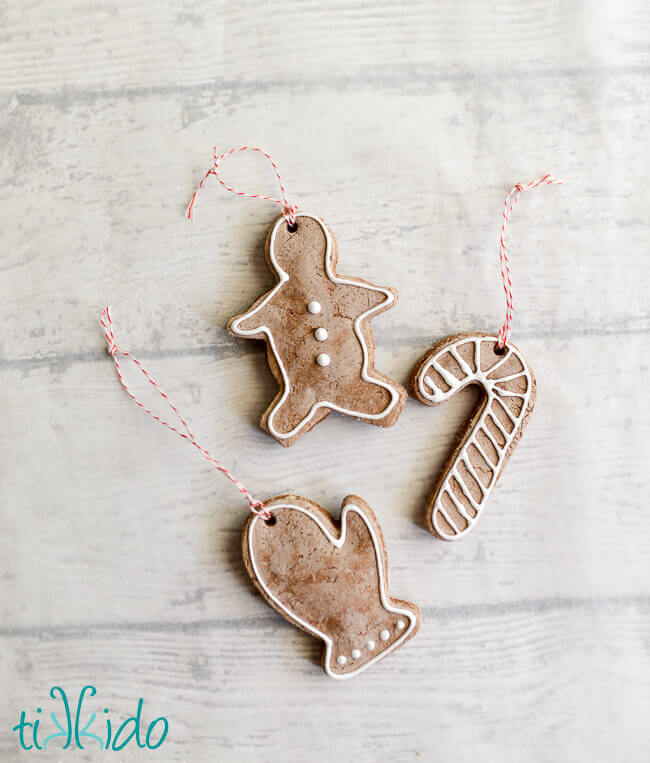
x,y
379,298
253,322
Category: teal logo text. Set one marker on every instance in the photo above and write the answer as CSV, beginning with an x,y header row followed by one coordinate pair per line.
x,y
81,728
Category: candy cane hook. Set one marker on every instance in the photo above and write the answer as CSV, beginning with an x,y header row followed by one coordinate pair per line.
x,y
508,209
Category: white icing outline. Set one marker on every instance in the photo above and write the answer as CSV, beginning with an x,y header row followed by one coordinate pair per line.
x,y
492,392
337,543
283,278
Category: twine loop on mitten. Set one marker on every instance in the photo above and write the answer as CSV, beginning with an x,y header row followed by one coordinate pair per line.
x,y
256,506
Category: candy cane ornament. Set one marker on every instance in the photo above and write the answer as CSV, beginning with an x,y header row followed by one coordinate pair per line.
x,y
328,578
491,433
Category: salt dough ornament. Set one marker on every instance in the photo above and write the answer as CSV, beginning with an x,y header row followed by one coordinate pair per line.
x,y
493,430
316,325
328,578
490,434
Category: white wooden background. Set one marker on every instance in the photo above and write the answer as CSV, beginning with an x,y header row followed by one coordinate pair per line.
x,y
403,126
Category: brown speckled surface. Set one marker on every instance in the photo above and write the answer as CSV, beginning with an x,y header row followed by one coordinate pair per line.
x,y
335,591
301,255
488,359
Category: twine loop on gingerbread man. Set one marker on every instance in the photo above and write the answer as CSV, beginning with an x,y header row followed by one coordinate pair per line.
x,y
289,210
256,506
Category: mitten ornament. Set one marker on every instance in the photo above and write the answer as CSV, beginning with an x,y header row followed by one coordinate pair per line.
x,y
491,433
316,325
330,579
327,577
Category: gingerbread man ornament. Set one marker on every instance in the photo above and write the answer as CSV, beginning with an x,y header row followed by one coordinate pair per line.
x,y
316,325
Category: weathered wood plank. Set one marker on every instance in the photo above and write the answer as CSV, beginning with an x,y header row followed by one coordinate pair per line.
x,y
518,682
166,45
403,128
97,212
112,488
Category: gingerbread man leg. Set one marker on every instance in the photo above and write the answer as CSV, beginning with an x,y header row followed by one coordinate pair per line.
x,y
298,409
379,401
294,412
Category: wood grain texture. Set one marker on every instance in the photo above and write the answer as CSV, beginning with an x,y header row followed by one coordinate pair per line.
x,y
404,129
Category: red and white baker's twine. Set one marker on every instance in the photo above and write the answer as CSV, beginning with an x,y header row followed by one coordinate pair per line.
x,y
257,507
288,210
510,204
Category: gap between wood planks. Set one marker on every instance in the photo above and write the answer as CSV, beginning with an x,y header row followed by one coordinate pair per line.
x,y
607,604
225,350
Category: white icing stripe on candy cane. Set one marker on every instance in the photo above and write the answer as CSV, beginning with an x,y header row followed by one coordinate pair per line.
x,y
283,278
496,396
483,455
495,420
444,513
337,543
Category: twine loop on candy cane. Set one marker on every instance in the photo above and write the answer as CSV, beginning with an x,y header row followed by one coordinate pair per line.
x,y
510,204
257,507
289,210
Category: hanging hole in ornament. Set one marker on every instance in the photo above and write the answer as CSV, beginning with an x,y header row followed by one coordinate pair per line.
x,y
499,350
271,520
293,227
